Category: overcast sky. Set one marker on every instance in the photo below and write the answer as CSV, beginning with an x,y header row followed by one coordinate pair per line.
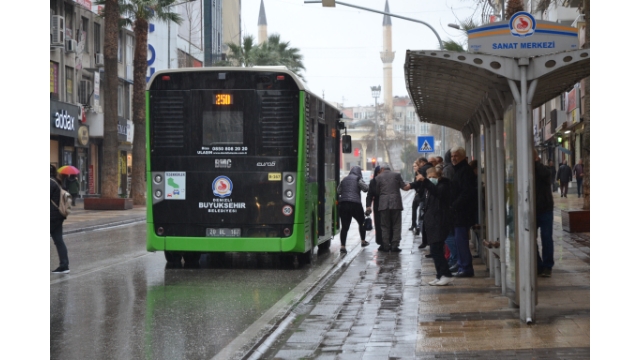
x,y
341,46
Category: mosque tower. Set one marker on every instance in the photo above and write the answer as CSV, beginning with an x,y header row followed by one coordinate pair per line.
x,y
387,55
262,24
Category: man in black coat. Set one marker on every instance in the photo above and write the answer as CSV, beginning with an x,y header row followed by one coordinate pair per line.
x,y
552,169
55,221
565,177
544,216
463,203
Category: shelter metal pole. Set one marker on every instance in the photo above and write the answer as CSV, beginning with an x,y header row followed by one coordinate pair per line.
x,y
493,170
500,186
488,205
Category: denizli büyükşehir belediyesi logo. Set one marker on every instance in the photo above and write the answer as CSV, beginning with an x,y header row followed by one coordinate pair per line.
x,y
522,24
222,186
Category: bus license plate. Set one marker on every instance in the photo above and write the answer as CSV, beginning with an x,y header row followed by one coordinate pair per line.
x,y
234,232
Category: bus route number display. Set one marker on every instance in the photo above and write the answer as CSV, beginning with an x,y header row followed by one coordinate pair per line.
x,y
223,99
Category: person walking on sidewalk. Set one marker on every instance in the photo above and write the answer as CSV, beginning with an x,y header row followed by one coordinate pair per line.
x,y
437,222
544,216
417,200
55,221
372,197
350,205
578,171
553,171
388,185
564,175
73,187
463,204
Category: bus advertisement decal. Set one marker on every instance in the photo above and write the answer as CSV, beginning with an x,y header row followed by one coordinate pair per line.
x,y
222,186
175,186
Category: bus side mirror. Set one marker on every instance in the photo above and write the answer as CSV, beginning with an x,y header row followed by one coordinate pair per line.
x,y
346,144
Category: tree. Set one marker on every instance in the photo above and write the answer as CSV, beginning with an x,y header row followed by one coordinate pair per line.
x,y
513,6
109,182
271,52
138,13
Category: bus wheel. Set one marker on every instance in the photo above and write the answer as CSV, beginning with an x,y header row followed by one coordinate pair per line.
x,y
324,246
191,258
306,258
173,257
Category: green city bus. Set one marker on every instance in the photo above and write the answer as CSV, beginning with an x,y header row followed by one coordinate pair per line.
x,y
239,160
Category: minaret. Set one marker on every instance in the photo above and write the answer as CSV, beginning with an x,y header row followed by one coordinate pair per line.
x,y
387,55
262,24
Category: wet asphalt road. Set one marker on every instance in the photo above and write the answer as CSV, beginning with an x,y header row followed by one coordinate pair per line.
x,y
121,302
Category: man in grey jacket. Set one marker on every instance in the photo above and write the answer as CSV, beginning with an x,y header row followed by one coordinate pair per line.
x,y
388,185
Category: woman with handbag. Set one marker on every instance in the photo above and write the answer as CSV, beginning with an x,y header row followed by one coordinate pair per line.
x,y
350,205
372,197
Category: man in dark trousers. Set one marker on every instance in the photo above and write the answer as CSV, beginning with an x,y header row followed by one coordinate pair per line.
x,y
388,185
564,175
463,204
544,216
55,221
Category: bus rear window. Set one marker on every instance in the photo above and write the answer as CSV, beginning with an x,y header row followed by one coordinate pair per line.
x,y
222,127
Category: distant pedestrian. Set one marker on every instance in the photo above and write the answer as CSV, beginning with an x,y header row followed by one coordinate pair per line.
x,y
463,205
388,185
440,160
553,171
417,201
544,216
437,222
372,199
73,187
448,171
578,171
350,205
55,221
564,176
433,160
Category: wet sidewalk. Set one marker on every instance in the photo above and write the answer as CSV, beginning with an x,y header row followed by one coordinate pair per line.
x,y
85,220
382,307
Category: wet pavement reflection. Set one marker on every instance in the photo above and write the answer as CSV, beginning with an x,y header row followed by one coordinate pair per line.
x,y
120,302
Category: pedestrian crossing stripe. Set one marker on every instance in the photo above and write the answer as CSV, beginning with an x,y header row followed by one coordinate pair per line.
x,y
425,146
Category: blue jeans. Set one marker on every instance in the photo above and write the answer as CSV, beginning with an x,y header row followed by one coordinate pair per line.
x,y
464,252
579,181
453,250
545,223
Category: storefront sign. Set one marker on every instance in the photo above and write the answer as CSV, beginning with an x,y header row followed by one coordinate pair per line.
x,y
96,89
571,100
83,136
92,184
122,129
64,118
522,36
53,77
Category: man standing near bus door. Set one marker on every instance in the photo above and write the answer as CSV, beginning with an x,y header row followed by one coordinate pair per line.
x,y
388,185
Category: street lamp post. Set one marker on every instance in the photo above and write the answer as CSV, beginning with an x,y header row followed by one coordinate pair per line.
x,y
375,92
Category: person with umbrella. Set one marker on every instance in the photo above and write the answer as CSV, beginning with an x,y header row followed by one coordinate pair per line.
x,y
55,221
73,187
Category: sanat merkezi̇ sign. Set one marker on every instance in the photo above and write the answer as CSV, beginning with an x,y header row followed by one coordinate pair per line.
x,y
522,36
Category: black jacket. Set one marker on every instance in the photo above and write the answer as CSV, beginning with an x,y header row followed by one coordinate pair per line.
x,y
564,174
464,198
372,195
54,213
544,198
437,216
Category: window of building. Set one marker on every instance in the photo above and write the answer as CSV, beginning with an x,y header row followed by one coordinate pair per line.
x,y
68,20
424,128
96,38
53,80
120,47
127,101
85,31
128,58
120,99
69,83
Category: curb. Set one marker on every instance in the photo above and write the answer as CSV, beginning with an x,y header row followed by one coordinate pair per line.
x,y
102,226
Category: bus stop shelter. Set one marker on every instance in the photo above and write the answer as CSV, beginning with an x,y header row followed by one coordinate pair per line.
x,y
493,96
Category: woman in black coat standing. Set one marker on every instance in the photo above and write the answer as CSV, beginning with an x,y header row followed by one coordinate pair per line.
x,y
437,221
372,197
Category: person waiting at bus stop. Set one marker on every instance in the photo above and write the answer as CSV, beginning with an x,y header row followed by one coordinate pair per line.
x,y
388,185
463,205
372,197
350,205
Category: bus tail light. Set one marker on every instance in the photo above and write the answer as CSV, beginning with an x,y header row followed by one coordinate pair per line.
x,y
289,188
287,232
160,231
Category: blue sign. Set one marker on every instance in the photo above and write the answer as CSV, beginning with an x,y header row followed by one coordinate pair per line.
x,y
426,144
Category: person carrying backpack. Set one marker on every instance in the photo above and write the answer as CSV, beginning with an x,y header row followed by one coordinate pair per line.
x,y
55,221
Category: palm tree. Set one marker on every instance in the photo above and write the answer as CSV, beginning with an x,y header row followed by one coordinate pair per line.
x,y
138,13
271,52
109,182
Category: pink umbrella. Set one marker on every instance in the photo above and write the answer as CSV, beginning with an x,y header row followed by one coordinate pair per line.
x,y
68,170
